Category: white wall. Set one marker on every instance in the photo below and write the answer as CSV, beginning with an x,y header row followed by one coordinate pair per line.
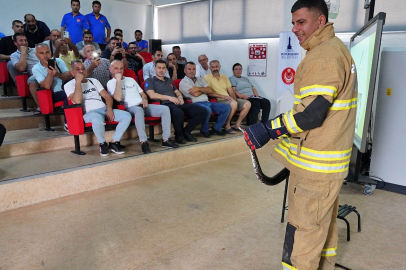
x,y
229,52
125,15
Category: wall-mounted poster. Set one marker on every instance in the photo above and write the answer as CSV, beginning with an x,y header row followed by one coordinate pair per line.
x,y
290,55
257,59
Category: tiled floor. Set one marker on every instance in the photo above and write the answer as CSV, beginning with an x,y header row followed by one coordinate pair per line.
x,y
215,215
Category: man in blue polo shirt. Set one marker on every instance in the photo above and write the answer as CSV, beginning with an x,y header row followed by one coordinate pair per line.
x,y
98,22
141,44
74,22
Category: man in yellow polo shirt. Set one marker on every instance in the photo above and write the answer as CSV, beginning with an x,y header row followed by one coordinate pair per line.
x,y
222,90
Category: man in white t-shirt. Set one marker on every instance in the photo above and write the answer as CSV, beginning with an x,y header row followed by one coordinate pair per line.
x,y
136,102
89,93
203,67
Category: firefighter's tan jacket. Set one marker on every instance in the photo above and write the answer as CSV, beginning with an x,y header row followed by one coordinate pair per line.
x,y
328,70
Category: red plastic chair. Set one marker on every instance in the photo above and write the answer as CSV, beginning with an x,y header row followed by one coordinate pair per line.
x,y
147,56
176,83
23,89
131,73
141,76
4,77
47,105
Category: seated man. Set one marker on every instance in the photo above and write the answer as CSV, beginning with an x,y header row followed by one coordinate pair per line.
x,y
89,92
176,71
35,30
142,44
115,51
50,77
197,89
24,59
66,51
176,50
224,92
148,69
136,102
87,40
96,67
202,68
119,31
7,45
162,88
55,34
134,59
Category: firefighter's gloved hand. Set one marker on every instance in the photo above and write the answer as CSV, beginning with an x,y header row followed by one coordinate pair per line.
x,y
256,136
259,134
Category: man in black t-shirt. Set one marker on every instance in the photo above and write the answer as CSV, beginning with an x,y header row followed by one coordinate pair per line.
x,y
115,51
7,46
35,30
134,59
176,70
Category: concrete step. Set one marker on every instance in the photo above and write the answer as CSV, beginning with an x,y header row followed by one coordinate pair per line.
x,y
15,102
11,90
35,141
37,178
14,119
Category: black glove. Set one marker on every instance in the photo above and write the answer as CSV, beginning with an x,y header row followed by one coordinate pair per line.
x,y
259,134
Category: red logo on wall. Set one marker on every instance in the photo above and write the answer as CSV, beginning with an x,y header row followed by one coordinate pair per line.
x,y
257,51
78,20
288,75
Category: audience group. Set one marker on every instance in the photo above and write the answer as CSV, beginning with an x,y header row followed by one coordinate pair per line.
x,y
84,64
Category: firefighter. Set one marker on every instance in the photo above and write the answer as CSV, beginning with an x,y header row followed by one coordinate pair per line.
x,y
316,138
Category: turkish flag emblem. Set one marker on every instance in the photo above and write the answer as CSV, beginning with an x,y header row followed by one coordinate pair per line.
x,y
78,20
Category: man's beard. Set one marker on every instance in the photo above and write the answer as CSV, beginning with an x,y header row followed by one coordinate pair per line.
x,y
216,72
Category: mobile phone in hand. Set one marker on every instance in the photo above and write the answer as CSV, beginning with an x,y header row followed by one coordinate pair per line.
x,y
118,45
51,63
96,56
65,34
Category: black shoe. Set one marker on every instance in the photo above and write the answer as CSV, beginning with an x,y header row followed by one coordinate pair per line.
x,y
145,148
170,144
216,132
116,148
180,139
104,151
205,134
189,137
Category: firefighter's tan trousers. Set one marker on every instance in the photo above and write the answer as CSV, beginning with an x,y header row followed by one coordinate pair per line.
x,y
311,233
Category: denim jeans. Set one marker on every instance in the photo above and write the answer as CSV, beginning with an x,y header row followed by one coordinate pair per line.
x,y
223,110
155,111
96,117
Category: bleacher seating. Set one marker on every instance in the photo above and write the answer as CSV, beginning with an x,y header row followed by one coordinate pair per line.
x,y
4,77
77,126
